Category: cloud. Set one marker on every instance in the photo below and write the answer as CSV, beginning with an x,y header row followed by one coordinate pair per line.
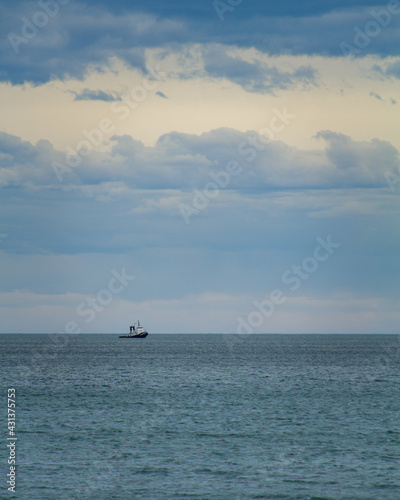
x,y
76,40
185,161
96,95
254,76
377,96
393,69
85,37
136,189
302,314
160,94
22,163
359,163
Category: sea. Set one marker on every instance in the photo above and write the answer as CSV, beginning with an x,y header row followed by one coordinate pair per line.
x,y
230,417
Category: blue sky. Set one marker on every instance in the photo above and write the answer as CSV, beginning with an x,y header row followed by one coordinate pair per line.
x,y
204,148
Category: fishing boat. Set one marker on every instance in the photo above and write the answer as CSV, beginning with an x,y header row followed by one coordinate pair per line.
x,y
135,332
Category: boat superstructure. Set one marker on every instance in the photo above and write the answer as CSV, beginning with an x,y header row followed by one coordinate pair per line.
x,y
136,331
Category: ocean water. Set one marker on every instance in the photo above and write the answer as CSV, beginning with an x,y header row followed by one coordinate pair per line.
x,y
203,416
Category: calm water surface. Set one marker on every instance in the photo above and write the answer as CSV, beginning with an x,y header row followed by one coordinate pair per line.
x,y
204,416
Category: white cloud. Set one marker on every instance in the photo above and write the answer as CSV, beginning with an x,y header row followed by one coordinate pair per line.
x,y
183,161
208,312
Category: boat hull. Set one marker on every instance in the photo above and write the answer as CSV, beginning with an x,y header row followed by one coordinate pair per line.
x,y
139,336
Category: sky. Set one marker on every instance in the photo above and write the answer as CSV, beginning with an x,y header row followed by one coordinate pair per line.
x,y
204,166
